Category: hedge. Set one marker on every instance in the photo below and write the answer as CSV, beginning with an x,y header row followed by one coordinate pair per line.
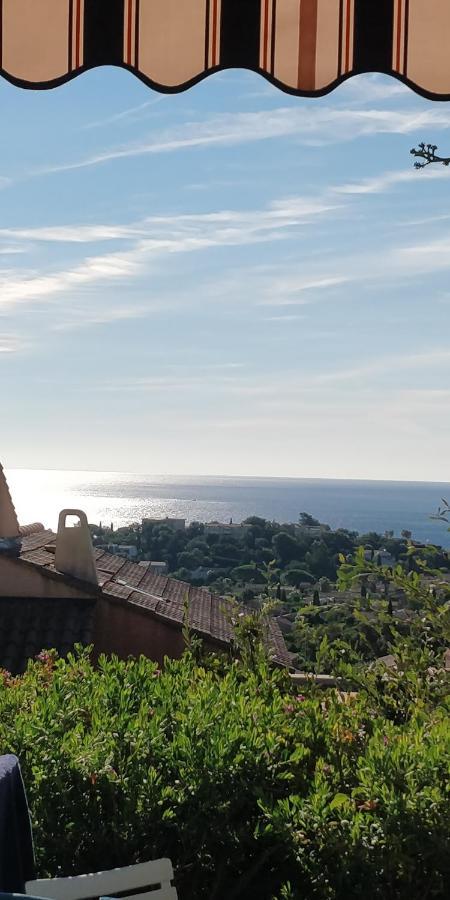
x,y
252,789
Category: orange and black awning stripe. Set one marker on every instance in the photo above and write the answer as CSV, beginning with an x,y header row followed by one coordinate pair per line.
x,y
306,47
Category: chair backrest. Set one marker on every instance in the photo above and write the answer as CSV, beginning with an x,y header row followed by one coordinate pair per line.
x,y
5,896
156,876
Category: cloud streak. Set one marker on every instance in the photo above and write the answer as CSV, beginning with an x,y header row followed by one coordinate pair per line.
x,y
321,126
380,184
151,240
10,344
279,214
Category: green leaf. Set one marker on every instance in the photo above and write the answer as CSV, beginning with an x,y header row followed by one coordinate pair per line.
x,y
339,800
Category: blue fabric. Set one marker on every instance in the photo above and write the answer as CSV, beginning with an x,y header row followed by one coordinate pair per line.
x,y
16,841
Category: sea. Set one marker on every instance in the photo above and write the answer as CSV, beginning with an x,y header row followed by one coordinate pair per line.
x,y
119,498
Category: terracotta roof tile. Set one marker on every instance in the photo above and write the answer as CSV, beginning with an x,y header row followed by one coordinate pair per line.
x,y
38,557
28,626
144,600
154,584
200,610
132,574
119,590
221,612
110,563
98,554
35,541
176,591
171,611
277,643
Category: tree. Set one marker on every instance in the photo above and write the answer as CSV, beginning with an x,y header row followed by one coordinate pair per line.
x,y
190,559
371,540
286,547
296,577
246,574
198,543
428,153
256,522
339,541
195,529
319,561
324,585
308,521
395,547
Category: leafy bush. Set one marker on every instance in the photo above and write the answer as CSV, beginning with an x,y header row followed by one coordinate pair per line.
x,y
252,789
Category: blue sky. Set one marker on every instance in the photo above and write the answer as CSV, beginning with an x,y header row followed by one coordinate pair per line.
x,y
226,281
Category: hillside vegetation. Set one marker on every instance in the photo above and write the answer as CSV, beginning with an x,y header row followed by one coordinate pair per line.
x,y
252,787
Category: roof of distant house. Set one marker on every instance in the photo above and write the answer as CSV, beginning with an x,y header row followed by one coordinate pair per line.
x,y
161,596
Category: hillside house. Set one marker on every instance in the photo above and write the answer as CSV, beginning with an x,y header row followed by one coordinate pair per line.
x,y
56,590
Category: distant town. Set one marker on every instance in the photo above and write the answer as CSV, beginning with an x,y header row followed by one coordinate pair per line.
x,y
294,565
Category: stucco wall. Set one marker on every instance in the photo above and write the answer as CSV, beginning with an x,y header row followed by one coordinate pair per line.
x,y
129,631
17,579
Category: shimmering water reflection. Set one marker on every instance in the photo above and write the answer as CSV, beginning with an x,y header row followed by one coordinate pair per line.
x,y
123,498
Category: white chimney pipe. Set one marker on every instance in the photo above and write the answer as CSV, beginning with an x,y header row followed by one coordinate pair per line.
x,y
74,554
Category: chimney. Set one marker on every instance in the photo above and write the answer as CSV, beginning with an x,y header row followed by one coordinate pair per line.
x,y
74,554
9,526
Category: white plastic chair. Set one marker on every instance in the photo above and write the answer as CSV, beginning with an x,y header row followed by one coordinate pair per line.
x,y
156,876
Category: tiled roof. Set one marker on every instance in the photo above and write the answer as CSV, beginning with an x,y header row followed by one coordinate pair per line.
x,y
28,626
163,597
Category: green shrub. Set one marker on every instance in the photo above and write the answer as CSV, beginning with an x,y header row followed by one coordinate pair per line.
x,y
253,790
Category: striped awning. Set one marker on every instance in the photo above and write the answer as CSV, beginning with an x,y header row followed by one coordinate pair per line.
x,y
306,47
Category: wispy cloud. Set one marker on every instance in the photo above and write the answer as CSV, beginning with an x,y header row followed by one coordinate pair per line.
x,y
294,290
10,344
287,387
151,240
427,256
133,113
321,125
373,88
428,220
74,234
77,318
287,319
21,290
435,358
386,181
11,250
279,214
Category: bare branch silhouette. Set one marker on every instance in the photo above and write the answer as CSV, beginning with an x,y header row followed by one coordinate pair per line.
x,y
428,153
